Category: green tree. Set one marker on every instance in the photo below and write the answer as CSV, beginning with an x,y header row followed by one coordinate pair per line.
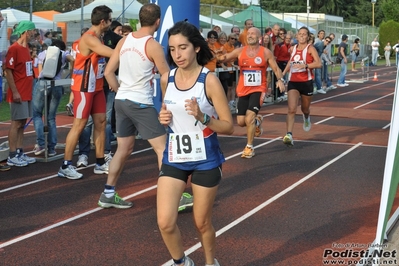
x,y
390,9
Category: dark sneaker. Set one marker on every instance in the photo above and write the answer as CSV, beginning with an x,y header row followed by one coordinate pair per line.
x,y
4,167
186,202
115,201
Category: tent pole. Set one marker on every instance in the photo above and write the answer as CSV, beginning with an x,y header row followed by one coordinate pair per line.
x,y
81,14
31,10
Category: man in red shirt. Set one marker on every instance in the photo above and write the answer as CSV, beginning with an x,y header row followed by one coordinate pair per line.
x,y
282,55
19,75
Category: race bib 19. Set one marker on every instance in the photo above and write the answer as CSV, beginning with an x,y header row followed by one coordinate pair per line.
x,y
186,147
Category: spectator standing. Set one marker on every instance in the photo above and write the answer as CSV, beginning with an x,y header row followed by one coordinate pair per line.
x,y
3,167
387,54
320,46
396,49
54,95
215,47
48,38
281,36
320,36
267,43
236,31
126,29
19,75
134,105
275,33
243,36
253,61
282,55
187,110
327,61
355,53
303,59
89,98
229,47
374,51
344,60
111,39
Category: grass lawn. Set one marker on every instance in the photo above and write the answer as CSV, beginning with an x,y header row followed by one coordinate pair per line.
x,y
5,107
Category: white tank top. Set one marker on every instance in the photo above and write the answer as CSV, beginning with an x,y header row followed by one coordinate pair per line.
x,y
136,71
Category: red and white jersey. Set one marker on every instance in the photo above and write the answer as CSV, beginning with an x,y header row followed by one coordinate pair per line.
x,y
300,57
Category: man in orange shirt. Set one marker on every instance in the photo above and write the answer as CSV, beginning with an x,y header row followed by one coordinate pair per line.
x,y
87,87
253,60
243,36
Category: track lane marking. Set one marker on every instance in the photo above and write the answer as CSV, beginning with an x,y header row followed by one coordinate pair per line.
x,y
73,218
269,201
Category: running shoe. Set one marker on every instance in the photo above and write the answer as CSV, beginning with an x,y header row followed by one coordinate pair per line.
x,y
258,128
101,169
4,167
321,91
70,173
186,202
216,263
108,156
115,201
16,161
38,149
287,140
26,158
306,123
82,161
69,109
189,262
51,153
248,152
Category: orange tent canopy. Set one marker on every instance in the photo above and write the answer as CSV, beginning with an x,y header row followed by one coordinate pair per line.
x,y
49,15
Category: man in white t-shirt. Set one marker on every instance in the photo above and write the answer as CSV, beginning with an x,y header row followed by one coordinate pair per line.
x,y
374,51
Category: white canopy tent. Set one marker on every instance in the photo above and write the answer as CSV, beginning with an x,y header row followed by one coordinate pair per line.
x,y
132,10
297,24
14,16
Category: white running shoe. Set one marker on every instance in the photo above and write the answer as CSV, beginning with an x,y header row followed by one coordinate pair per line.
x,y
70,173
306,123
82,161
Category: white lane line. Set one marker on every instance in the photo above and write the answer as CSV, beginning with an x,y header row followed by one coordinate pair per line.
x,y
349,92
357,107
387,126
31,132
324,120
56,175
264,204
73,218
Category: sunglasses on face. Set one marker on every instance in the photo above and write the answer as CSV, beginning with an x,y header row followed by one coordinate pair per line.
x,y
233,39
328,41
282,33
212,37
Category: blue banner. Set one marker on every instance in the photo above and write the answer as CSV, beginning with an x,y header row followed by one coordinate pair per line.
x,y
173,11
